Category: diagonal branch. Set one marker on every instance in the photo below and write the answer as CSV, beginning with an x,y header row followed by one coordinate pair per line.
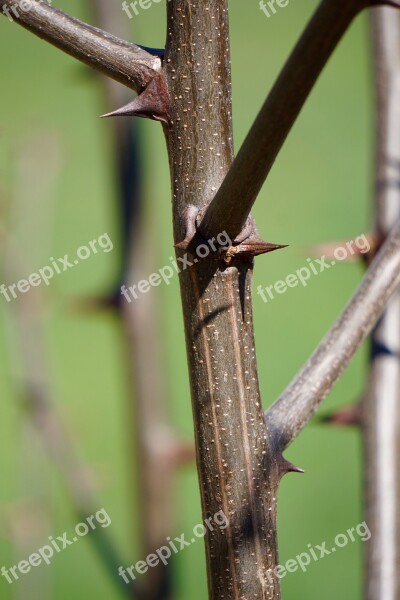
x,y
293,409
125,62
233,201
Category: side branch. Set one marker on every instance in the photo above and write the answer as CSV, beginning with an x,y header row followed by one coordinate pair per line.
x,y
233,201
293,409
125,62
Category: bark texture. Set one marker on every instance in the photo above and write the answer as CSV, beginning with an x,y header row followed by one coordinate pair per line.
x,y
237,467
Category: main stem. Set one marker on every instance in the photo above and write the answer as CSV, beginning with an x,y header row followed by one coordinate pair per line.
x,y
238,470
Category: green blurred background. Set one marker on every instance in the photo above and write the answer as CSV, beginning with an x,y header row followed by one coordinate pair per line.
x,y
319,190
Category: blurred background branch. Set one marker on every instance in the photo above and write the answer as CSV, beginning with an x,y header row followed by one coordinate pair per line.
x,y
27,320
381,403
155,447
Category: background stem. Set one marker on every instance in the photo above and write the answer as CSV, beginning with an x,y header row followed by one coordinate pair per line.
x,y
381,404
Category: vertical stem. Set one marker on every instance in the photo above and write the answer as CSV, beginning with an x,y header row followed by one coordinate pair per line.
x,y
381,407
237,470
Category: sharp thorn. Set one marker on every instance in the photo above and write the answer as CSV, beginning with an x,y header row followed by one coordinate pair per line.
x,y
153,51
152,103
183,454
268,247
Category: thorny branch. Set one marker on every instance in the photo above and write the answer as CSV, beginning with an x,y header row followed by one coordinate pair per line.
x,y
233,201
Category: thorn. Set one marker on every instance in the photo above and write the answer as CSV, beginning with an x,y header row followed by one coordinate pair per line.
x,y
152,103
291,468
128,110
286,466
256,247
88,305
247,244
183,454
250,248
345,416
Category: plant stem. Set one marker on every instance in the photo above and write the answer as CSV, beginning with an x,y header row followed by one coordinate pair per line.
x,y
381,403
294,408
